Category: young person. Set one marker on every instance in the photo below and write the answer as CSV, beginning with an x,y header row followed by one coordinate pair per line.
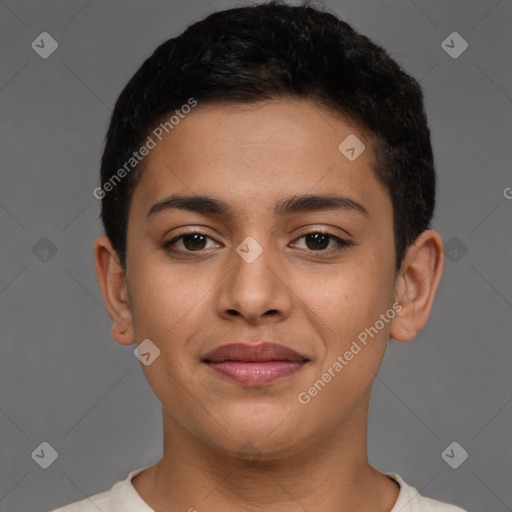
x,y
267,188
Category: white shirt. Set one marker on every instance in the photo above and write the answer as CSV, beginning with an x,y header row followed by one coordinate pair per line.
x,y
123,497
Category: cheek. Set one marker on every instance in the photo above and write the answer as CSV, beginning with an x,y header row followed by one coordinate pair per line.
x,y
163,299
166,309
351,306
349,298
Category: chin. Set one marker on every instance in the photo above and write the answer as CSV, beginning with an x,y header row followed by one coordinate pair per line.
x,y
265,432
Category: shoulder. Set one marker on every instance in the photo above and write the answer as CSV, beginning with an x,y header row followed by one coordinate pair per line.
x,y
100,501
122,496
430,505
410,500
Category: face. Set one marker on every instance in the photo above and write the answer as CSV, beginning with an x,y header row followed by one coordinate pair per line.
x,y
262,261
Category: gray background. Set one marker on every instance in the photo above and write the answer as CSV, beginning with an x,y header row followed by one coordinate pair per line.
x,y
63,379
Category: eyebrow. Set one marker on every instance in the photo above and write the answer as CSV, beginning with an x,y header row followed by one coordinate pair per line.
x,y
295,204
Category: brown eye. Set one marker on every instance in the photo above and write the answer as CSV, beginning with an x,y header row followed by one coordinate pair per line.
x,y
189,242
194,241
317,241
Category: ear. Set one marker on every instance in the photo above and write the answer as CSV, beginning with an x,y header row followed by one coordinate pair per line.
x,y
416,285
112,281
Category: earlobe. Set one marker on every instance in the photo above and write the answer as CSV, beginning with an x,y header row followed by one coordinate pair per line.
x,y
113,285
417,284
119,334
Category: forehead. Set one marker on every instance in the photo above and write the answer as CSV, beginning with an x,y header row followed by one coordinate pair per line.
x,y
251,154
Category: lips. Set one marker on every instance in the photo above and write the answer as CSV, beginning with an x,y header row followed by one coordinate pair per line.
x,y
253,353
254,365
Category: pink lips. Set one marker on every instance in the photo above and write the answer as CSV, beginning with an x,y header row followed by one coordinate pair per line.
x,y
254,365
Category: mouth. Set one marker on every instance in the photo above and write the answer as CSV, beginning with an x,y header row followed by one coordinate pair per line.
x,y
254,365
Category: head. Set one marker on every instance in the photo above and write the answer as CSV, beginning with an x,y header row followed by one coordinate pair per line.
x,y
231,57
271,111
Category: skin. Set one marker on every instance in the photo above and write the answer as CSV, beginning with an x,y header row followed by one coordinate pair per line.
x,y
234,447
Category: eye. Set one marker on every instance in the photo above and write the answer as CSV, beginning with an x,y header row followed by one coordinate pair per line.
x,y
193,241
196,241
320,241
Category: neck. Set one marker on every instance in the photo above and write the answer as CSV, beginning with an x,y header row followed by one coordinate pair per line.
x,y
330,473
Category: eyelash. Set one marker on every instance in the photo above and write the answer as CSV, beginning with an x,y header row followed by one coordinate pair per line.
x,y
342,243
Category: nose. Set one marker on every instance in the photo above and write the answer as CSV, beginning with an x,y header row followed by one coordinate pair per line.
x,y
255,290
